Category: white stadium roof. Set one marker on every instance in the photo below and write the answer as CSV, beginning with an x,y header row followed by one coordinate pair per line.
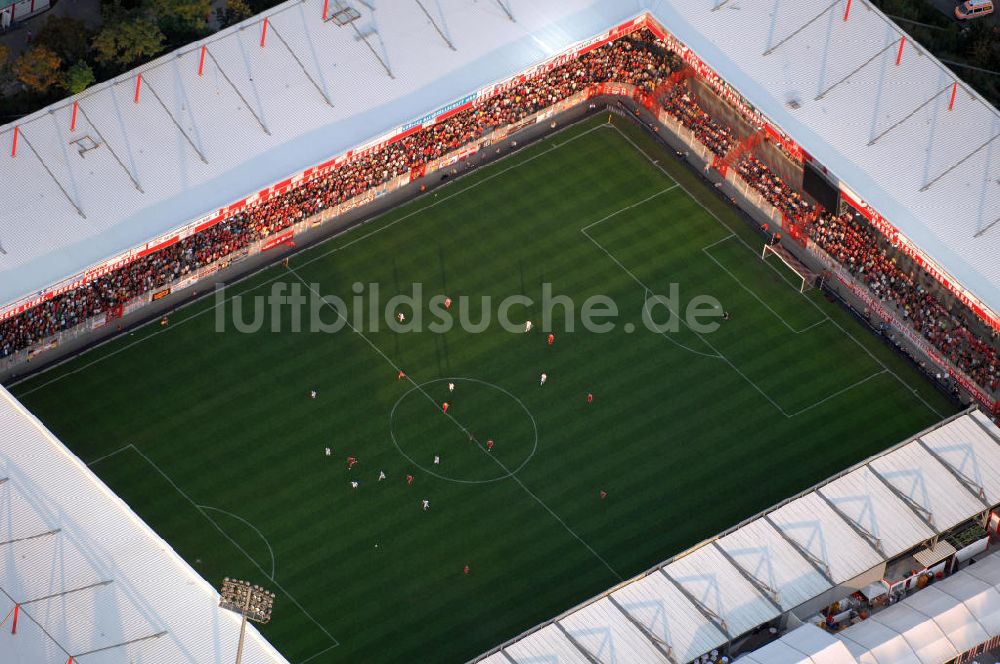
x,y
931,626
883,130
781,559
806,645
91,577
195,144
220,116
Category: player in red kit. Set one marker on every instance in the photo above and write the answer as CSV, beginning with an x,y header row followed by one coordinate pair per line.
x,y
604,494
401,375
409,480
444,407
467,570
447,303
350,462
590,397
552,339
489,445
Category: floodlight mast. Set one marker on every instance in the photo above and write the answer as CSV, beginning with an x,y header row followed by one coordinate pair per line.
x,y
250,601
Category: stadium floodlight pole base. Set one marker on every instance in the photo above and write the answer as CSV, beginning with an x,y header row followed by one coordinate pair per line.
x,y
243,633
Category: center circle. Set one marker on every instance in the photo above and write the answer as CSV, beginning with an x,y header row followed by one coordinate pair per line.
x,y
421,430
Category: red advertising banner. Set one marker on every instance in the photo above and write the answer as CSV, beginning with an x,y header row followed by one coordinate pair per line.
x,y
277,240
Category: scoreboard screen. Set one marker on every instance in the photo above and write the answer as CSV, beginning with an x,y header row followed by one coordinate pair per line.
x,y
817,186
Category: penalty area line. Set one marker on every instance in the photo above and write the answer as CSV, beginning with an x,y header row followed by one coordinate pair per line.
x,y
253,562
742,241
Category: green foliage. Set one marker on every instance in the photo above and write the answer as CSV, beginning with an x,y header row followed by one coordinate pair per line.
x,y
79,77
126,41
235,11
39,69
181,15
67,37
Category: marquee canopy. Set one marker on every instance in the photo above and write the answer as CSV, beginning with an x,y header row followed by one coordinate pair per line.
x,y
794,552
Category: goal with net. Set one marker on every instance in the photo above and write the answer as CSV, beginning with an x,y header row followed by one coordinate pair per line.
x,y
807,276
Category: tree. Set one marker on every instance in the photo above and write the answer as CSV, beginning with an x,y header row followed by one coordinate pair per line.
x,y
236,11
127,41
4,55
181,15
39,69
79,77
67,37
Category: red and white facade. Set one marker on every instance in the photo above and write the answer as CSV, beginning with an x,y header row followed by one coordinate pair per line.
x,y
20,10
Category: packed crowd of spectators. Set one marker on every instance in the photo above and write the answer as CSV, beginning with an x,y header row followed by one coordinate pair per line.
x,y
854,243
638,59
774,189
712,134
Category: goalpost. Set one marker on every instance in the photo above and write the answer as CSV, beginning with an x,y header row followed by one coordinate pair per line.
x,y
807,276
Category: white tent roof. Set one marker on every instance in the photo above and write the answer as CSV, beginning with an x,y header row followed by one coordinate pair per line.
x,y
610,635
663,610
932,486
807,644
794,552
90,575
782,56
549,644
819,530
766,556
930,626
971,448
925,637
981,598
720,588
866,500
959,625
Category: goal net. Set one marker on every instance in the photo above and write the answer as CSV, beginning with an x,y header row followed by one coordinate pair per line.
x,y
807,276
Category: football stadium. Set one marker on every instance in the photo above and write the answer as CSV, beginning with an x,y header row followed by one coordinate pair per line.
x,y
507,332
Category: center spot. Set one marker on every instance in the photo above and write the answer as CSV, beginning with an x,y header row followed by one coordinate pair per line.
x,y
421,431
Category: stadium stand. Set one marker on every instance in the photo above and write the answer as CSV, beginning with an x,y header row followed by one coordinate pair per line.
x,y
626,60
151,194
90,580
957,616
883,527
651,65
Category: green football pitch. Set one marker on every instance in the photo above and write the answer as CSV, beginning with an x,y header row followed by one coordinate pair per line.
x,y
212,437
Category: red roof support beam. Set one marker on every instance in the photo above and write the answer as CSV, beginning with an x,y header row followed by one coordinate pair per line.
x,y
263,32
72,120
13,627
201,62
954,91
899,56
847,12
326,8
138,86
13,153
